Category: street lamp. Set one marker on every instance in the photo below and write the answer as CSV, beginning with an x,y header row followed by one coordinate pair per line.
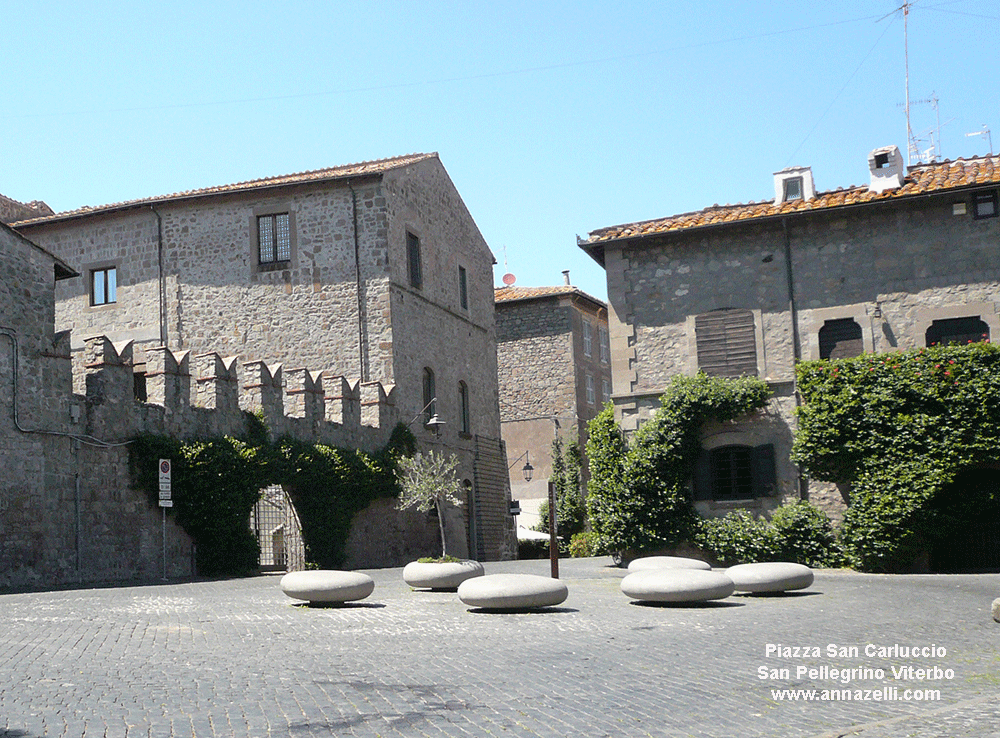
x,y
527,470
434,422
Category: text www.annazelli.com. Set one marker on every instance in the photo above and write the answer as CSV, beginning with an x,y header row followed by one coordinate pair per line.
x,y
885,694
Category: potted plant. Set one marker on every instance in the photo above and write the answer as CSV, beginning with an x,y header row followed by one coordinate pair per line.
x,y
428,481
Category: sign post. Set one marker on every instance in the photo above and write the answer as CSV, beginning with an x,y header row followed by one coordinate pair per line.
x,y
166,500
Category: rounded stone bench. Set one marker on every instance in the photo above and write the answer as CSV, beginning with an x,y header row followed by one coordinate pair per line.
x,y
677,585
512,592
773,576
327,586
667,562
446,575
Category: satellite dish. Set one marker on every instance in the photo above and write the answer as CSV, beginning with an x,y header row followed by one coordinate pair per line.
x,y
509,279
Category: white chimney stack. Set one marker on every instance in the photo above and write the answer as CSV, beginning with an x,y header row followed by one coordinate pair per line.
x,y
887,169
566,276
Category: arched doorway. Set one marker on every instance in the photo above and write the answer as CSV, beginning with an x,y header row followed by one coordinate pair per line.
x,y
279,534
967,523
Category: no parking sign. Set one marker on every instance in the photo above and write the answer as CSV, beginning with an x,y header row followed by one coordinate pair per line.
x,y
166,499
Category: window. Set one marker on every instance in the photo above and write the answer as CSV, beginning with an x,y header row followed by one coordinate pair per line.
x,y
463,288
463,407
793,189
840,338
104,286
984,205
727,343
430,393
735,473
882,160
591,397
602,334
957,330
274,238
588,339
605,390
413,261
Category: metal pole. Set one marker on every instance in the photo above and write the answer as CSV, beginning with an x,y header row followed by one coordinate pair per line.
x,y
553,543
164,537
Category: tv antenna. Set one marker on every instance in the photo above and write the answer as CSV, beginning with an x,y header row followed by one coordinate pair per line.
x,y
985,133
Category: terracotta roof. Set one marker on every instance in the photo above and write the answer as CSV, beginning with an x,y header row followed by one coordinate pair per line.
x,y
510,294
342,172
920,180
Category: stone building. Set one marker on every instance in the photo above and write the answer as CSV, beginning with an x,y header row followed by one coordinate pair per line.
x,y
372,272
554,369
911,259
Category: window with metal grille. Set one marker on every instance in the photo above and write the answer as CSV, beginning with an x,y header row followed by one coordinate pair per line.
x,y
104,286
274,238
414,264
957,330
727,343
840,339
735,473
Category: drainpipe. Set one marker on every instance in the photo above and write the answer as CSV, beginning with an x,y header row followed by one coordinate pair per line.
x,y
796,347
163,284
362,364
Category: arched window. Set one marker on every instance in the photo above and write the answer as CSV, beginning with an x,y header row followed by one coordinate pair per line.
x,y
430,393
463,408
840,339
957,330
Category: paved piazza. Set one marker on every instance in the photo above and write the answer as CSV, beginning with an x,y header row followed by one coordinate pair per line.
x,y
238,658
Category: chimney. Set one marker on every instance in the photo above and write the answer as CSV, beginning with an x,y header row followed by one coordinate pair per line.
x,y
886,168
566,276
794,183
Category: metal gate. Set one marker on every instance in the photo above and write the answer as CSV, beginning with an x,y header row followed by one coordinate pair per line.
x,y
276,525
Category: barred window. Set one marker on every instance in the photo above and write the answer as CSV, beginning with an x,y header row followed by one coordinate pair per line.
x,y
735,473
957,330
274,238
727,343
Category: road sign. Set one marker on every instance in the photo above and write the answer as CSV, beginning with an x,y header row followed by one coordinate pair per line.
x,y
166,498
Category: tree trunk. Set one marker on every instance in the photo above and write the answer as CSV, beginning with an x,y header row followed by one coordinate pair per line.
x,y
440,511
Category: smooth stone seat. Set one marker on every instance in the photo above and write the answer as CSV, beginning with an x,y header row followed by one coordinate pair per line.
x,y
677,585
773,576
446,575
667,562
327,585
512,592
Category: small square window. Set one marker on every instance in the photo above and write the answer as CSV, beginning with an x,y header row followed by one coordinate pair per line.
x,y
984,205
274,238
104,286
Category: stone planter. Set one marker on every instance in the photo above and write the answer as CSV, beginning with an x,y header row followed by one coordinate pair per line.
x,y
446,575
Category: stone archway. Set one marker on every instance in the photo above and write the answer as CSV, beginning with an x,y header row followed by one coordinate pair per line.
x,y
967,523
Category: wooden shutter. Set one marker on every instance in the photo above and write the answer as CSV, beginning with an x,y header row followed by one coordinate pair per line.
x,y
727,343
763,469
840,339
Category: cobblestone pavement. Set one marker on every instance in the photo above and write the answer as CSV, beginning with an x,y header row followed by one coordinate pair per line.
x,y
238,658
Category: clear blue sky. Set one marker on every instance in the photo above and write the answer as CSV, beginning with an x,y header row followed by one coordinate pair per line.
x,y
553,119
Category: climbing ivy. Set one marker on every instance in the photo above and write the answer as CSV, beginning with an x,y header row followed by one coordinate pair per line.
x,y
898,428
637,496
217,481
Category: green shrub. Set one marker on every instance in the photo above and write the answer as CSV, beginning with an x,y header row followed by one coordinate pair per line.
x,y
581,545
738,538
805,535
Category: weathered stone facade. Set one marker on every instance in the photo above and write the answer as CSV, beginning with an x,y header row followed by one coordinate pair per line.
x,y
893,261
553,378
190,277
